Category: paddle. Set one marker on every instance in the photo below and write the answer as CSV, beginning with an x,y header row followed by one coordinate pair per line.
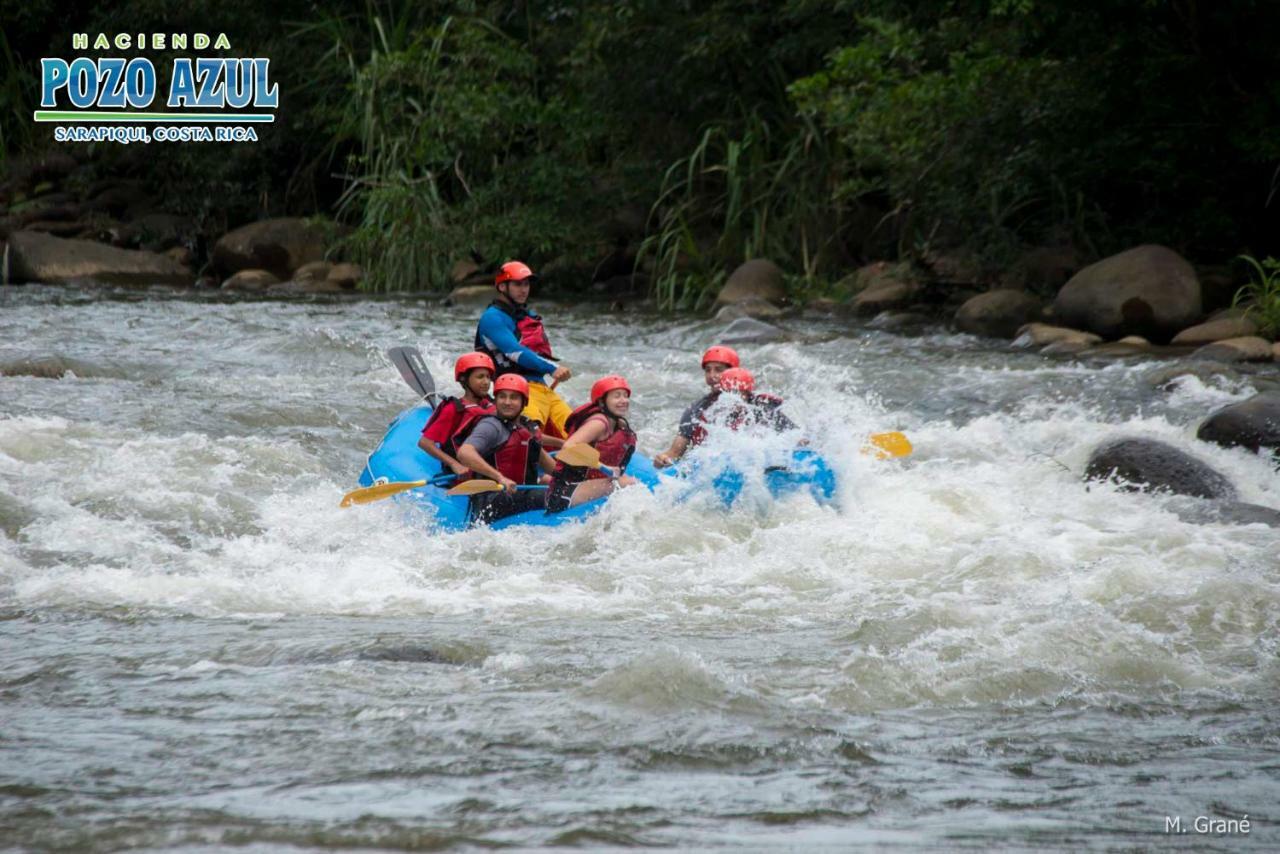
x,y
582,456
475,487
379,491
887,445
413,370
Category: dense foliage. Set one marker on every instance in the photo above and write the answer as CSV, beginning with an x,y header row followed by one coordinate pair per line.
x,y
820,134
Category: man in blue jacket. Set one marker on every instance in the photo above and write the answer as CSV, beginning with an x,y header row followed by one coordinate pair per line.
x,y
515,339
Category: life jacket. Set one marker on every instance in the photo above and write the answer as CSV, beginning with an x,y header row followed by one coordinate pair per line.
x,y
615,449
750,411
467,415
529,331
517,458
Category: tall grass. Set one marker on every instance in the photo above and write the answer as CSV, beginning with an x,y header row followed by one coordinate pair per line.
x,y
1261,297
17,96
736,197
426,109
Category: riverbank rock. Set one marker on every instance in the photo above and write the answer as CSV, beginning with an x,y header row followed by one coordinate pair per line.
x,y
1218,329
1167,379
759,279
471,295
250,280
1158,465
1252,424
315,271
1226,513
1149,290
278,245
41,367
1044,269
36,257
1121,349
1043,335
885,295
1250,349
748,330
757,308
346,276
463,270
998,314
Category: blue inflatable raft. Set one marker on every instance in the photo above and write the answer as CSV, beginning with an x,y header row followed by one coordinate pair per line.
x,y
398,458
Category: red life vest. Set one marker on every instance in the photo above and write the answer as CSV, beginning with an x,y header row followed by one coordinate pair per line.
x,y
467,414
615,449
533,336
529,331
517,458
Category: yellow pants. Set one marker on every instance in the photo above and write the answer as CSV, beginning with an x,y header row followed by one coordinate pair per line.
x,y
547,408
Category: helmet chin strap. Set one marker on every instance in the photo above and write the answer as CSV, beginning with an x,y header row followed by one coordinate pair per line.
x,y
507,296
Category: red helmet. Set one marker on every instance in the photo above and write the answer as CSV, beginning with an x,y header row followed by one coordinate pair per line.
x,y
721,353
513,271
511,382
470,361
604,385
737,379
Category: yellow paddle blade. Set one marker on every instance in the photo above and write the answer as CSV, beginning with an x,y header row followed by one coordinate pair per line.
x,y
887,445
579,455
475,487
379,491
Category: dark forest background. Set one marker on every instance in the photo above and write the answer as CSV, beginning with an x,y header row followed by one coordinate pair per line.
x,y
822,135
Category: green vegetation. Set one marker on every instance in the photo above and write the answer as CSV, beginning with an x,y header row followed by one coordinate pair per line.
x,y
819,134
1261,297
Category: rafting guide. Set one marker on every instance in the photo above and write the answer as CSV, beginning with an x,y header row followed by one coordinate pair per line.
x,y
109,98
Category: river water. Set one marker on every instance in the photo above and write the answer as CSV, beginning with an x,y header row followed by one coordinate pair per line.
x,y
973,650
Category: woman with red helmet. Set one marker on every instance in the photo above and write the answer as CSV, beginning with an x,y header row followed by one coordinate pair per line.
x,y
454,416
602,424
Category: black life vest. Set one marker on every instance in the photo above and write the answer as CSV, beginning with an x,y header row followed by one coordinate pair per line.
x,y
517,458
755,409
467,415
529,331
615,449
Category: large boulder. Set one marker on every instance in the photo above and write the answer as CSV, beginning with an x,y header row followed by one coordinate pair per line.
x,y
1149,290
279,245
1252,423
998,314
758,278
1157,465
36,257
